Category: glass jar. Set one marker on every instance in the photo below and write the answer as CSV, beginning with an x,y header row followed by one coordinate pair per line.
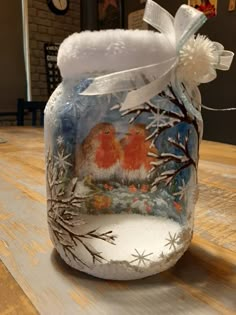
x,y
121,184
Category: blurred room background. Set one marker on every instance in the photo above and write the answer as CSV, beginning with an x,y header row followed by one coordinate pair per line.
x,y
31,31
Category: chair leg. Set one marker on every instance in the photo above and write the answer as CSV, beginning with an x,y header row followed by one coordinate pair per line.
x,y
20,112
34,117
41,118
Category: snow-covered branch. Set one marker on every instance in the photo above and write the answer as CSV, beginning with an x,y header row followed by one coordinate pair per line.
x,y
167,157
68,238
182,160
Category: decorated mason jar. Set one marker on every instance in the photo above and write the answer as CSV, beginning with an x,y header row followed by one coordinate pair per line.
x,y
122,135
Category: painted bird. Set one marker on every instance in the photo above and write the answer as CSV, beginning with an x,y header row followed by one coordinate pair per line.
x,y
99,154
135,162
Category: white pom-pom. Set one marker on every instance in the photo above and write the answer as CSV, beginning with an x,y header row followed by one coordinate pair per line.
x,y
197,59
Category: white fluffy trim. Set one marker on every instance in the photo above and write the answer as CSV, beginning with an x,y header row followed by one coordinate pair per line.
x,y
111,50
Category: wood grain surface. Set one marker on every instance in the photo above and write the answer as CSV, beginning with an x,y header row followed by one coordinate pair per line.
x,y
35,280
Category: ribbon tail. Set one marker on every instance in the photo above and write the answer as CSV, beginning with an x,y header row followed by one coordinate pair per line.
x,y
178,88
129,79
114,82
147,92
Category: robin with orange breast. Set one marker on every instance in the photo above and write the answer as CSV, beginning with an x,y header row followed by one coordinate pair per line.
x,y
98,157
135,161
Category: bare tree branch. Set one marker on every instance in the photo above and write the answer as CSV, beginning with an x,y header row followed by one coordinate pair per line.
x,y
184,160
63,217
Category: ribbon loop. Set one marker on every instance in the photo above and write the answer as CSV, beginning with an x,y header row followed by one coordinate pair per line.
x,y
186,23
225,57
225,60
160,19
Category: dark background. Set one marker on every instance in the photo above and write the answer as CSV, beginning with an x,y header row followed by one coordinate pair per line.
x,y
220,93
13,78
131,6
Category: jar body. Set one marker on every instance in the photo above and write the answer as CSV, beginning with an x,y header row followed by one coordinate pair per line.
x,y
121,186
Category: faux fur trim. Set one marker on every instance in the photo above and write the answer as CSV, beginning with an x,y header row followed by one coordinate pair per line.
x,y
110,50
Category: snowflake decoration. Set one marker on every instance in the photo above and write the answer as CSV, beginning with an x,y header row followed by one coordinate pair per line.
x,y
141,258
182,190
172,241
115,48
60,140
61,160
157,119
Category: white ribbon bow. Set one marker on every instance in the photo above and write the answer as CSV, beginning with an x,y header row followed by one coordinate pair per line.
x,y
177,31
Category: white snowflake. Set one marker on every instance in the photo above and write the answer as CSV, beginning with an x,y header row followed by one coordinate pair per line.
x,y
182,190
141,258
61,160
60,140
157,119
172,241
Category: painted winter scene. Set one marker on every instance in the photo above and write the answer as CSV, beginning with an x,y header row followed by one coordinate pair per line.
x,y
121,186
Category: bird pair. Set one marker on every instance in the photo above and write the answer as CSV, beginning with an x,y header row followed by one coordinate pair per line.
x,y
105,158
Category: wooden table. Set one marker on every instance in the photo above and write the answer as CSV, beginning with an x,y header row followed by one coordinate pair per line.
x,y
33,279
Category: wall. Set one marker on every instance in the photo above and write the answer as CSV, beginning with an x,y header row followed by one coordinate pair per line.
x,y
45,26
218,126
12,80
